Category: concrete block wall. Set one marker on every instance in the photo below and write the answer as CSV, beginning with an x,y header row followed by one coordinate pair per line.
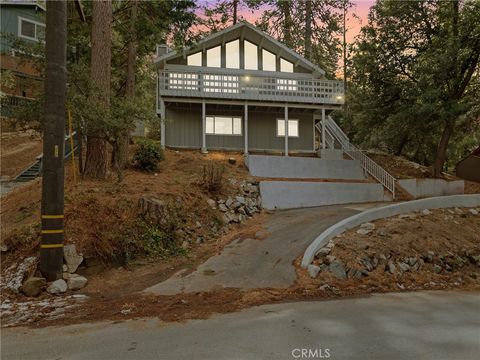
x,y
420,188
304,168
298,194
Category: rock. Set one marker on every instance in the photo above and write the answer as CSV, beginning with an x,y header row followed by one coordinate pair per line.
x,y
199,240
324,251
437,269
330,244
403,267
222,207
229,202
381,232
261,234
391,267
3,248
324,287
426,212
355,274
429,257
57,287
368,226
33,286
232,161
71,257
473,211
363,231
412,261
240,200
330,258
401,286
313,270
76,282
338,270
198,224
367,263
65,268
212,203
66,275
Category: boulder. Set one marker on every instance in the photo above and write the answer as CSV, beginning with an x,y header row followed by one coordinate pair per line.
x,y
232,161
72,258
426,212
367,226
33,286
473,211
57,287
223,208
76,282
313,271
324,251
212,203
337,268
404,267
391,267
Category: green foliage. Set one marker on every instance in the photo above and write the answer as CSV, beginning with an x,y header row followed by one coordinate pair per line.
x,y
159,243
148,154
414,75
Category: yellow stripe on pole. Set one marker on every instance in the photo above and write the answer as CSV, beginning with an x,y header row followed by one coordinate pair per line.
x,y
51,246
52,216
52,231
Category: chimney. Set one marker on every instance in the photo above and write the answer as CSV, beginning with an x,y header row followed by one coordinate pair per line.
x,y
163,49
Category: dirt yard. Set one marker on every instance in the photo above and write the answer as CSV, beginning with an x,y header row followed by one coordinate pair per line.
x,y
18,150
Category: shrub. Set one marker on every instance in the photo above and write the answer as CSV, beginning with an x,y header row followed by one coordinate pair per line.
x,y
148,154
213,177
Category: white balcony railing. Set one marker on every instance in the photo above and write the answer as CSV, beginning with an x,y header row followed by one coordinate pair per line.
x,y
248,87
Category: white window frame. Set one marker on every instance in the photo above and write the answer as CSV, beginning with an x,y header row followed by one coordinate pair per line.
x,y
210,60
245,58
196,55
225,116
289,120
36,23
229,58
285,62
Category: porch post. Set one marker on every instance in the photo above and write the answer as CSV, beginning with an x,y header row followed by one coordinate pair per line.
x,y
162,124
286,130
204,128
245,130
324,145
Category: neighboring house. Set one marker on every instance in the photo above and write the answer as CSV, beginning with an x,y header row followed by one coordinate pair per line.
x,y
240,89
24,20
469,168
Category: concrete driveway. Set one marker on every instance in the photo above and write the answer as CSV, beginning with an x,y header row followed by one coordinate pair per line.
x,y
421,325
253,263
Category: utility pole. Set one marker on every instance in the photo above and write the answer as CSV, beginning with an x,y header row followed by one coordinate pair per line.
x,y
51,248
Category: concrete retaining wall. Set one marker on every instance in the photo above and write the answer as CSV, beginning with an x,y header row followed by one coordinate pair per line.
x,y
420,188
384,212
298,194
302,167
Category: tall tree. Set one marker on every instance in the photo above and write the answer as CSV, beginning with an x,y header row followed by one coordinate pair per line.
x,y
97,157
225,13
415,77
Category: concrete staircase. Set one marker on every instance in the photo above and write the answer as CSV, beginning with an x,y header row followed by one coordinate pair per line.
x,y
295,182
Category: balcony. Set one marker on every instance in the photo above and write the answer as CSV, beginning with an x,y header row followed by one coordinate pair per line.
x,y
218,85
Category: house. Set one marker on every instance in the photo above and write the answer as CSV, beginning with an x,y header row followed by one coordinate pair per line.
x,y
240,89
20,20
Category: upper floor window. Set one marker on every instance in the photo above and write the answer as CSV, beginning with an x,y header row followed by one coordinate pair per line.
x,y
286,66
30,29
251,56
214,57
232,53
269,61
195,59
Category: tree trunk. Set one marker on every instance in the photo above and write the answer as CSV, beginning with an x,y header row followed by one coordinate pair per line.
x,y
345,47
285,8
120,148
97,158
308,29
235,10
442,149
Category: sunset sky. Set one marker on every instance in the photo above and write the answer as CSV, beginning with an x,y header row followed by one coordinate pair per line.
x,y
360,9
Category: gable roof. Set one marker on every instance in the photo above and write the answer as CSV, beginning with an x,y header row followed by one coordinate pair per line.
x,y
199,46
23,3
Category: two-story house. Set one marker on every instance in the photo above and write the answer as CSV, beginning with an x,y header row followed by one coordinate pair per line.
x,y
240,89
20,20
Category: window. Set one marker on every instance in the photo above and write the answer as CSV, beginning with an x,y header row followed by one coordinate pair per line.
x,y
31,30
214,57
287,84
269,61
195,59
232,52
223,125
220,83
251,56
292,128
286,66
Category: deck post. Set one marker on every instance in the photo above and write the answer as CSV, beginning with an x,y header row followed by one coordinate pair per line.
x,y
162,124
204,128
324,145
286,130
245,130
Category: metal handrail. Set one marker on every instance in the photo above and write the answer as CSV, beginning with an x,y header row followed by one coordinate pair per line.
x,y
368,165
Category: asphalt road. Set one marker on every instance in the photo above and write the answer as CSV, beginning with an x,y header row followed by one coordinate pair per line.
x,y
422,325
253,263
